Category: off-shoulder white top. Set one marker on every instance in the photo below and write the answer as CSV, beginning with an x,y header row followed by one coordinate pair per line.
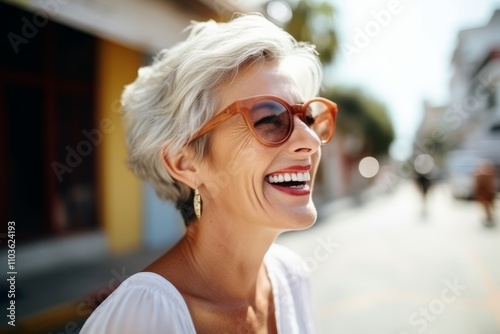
x,y
148,303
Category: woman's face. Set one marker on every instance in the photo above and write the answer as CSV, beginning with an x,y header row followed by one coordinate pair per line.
x,y
240,178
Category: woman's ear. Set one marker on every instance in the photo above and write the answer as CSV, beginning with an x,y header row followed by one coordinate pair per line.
x,y
181,166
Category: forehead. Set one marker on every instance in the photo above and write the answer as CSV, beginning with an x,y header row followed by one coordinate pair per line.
x,y
270,78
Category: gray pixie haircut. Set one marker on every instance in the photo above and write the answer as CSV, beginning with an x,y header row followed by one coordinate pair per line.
x,y
172,99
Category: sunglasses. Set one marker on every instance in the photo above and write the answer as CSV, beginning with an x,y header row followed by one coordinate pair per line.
x,y
270,118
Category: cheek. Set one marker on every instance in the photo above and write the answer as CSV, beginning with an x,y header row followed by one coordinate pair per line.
x,y
237,149
238,161
233,163
243,162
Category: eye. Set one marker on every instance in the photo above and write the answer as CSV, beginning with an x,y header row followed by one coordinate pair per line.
x,y
271,120
268,113
309,120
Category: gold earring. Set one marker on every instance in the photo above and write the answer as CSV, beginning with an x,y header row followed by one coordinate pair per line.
x,y
197,203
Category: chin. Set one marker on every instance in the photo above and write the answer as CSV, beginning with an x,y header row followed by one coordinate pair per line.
x,y
301,218
309,221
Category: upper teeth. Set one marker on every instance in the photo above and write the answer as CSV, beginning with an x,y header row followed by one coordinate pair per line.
x,y
286,177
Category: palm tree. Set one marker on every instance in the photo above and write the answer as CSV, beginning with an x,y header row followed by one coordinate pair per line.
x,y
311,21
364,117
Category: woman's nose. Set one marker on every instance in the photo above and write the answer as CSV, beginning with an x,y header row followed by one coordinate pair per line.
x,y
303,139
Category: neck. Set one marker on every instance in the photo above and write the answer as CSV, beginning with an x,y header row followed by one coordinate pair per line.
x,y
228,258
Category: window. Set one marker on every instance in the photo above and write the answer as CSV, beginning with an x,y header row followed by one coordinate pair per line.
x,y
47,103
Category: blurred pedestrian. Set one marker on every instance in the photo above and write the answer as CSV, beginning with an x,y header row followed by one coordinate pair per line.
x,y
226,125
424,183
485,188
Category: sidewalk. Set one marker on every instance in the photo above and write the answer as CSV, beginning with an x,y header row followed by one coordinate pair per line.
x,y
385,267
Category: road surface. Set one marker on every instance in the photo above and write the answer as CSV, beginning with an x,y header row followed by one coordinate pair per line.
x,y
386,267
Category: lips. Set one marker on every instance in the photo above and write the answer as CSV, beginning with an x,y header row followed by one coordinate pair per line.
x,y
293,180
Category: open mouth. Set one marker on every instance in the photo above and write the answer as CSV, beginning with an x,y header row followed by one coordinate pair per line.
x,y
297,180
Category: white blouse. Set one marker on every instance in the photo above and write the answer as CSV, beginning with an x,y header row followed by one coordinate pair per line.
x,y
148,303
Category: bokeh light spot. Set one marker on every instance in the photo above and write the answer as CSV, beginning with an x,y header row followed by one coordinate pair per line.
x,y
368,167
280,11
423,163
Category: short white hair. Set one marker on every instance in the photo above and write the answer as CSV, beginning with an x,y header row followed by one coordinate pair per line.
x,y
178,93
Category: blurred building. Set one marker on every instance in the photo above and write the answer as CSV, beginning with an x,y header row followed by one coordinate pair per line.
x,y
64,180
466,132
474,115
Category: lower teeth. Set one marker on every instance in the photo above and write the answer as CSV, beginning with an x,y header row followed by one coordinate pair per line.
x,y
300,186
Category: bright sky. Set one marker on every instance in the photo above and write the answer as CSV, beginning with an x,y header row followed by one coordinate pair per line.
x,y
408,60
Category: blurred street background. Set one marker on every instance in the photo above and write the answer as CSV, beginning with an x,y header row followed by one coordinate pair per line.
x,y
403,243
394,264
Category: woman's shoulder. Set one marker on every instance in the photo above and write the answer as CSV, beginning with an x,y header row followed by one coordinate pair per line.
x,y
144,301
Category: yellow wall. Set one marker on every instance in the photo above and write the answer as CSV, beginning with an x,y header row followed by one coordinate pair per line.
x,y
120,191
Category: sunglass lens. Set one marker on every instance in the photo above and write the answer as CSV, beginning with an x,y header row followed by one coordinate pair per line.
x,y
319,119
271,120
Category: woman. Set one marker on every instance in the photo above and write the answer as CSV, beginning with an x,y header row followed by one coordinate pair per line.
x,y
218,124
